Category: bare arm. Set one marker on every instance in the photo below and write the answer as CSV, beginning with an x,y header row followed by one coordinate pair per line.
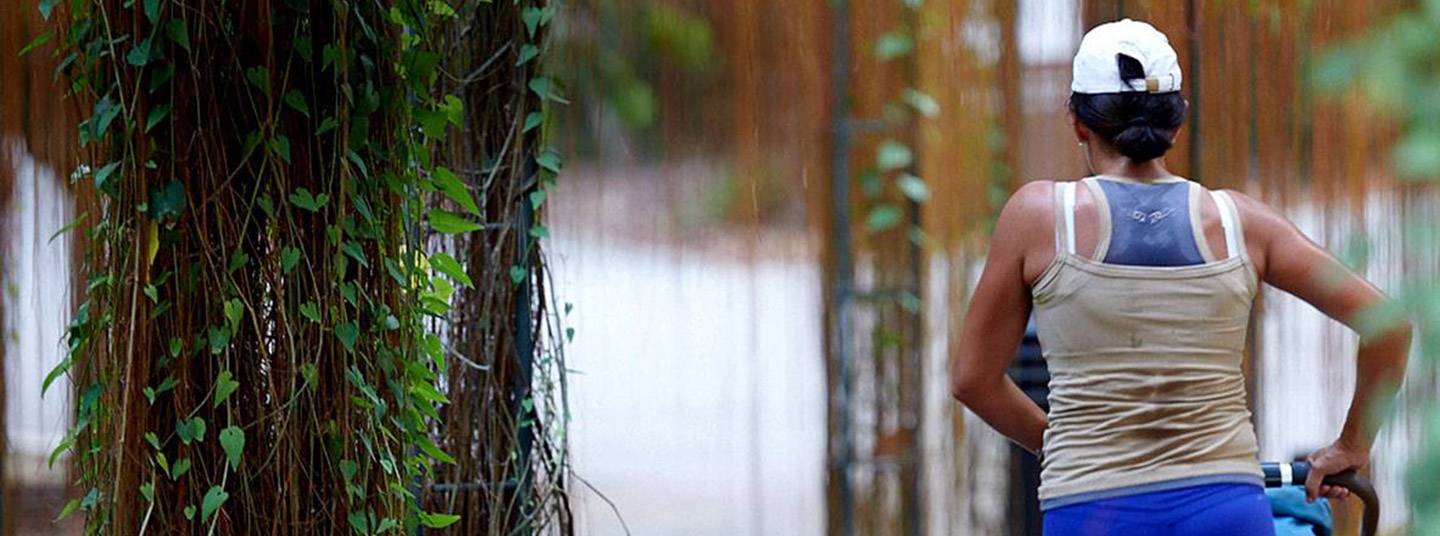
x,y
1295,264
995,322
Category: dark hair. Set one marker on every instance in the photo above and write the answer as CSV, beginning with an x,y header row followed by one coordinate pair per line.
x,y
1136,123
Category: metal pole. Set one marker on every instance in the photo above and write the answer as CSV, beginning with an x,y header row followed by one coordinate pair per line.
x,y
524,341
840,235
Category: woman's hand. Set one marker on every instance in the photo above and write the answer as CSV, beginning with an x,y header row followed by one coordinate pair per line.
x,y
1339,457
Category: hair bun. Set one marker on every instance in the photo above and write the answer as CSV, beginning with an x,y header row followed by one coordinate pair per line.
x,y
1142,142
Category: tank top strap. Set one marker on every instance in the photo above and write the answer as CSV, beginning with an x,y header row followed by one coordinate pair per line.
x,y
1064,217
1102,209
1197,222
1230,220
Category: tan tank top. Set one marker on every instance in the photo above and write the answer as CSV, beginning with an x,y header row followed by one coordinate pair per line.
x,y
1146,391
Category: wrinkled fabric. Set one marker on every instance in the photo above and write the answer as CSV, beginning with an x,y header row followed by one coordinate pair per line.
x,y
1209,510
1147,387
1295,517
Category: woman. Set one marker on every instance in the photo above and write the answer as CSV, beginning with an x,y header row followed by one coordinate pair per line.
x,y
1142,283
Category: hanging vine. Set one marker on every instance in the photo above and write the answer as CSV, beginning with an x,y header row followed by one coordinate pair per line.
x,y
255,352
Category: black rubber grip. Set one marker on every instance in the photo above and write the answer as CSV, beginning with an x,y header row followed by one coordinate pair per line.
x,y
1358,485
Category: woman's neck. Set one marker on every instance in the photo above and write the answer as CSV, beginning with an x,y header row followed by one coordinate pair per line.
x,y
1115,164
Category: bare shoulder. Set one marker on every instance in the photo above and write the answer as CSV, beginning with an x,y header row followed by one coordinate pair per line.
x,y
1030,200
1261,221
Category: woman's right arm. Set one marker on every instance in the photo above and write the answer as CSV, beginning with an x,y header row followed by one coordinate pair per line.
x,y
1292,262
995,321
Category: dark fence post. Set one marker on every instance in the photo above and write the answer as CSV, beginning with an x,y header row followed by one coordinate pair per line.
x,y
1029,371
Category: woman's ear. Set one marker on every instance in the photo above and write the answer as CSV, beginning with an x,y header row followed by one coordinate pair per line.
x,y
1082,132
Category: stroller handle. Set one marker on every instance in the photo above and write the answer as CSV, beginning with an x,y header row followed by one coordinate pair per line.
x,y
1294,473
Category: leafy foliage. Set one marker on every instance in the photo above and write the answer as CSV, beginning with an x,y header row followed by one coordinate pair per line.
x,y
1394,67
258,349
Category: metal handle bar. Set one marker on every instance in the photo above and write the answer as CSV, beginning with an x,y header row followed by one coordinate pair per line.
x,y
1294,473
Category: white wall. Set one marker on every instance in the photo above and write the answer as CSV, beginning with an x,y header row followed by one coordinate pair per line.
x,y
37,309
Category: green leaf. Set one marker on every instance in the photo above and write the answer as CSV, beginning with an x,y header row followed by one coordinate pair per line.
x,y
56,373
296,101
213,499
546,90
914,188
219,338
74,504
447,222
180,33
190,511
232,439
169,200
443,9
191,430
38,41
289,257
70,226
147,490
893,45
152,10
453,188
280,144
883,217
532,17
238,260
156,115
46,7
532,120
102,177
258,77
537,198
225,385
922,102
427,392
179,469
449,266
518,274
304,199
234,311
432,122
310,311
892,155
550,160
326,125
347,333
308,372
438,520
358,522
527,53
106,110
348,469
139,55
433,451
453,110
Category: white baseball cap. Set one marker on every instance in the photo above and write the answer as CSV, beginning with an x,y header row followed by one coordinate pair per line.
x,y
1097,70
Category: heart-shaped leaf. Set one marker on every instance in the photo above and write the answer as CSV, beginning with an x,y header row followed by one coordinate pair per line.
x,y
347,333
181,467
232,439
225,384
213,499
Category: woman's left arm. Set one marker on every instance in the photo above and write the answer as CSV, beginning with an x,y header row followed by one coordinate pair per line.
x,y
1292,262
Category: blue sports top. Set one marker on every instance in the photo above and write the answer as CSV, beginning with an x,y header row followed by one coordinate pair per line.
x,y
1150,224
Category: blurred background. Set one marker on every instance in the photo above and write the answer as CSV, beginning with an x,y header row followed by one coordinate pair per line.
x,y
771,220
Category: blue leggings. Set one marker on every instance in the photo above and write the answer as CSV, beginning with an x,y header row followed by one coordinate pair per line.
x,y
1204,510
